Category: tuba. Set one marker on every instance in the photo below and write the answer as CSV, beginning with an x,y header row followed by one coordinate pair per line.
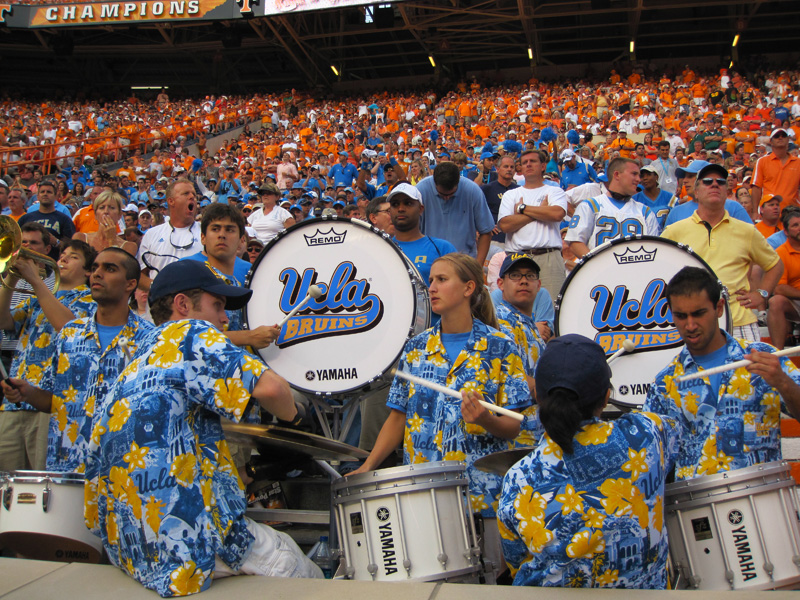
x,y
11,251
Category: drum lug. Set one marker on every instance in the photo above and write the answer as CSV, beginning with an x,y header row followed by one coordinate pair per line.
x,y
8,494
46,496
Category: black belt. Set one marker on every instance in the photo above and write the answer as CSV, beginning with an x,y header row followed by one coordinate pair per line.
x,y
538,251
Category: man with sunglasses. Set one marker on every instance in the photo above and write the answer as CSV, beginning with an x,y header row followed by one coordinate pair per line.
x,y
178,238
778,172
731,248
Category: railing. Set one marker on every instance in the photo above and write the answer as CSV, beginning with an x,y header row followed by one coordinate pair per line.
x,y
108,148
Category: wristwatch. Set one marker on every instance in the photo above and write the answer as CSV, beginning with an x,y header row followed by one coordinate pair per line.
x,y
764,294
521,208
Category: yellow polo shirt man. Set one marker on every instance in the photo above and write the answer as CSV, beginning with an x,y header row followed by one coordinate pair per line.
x,y
729,248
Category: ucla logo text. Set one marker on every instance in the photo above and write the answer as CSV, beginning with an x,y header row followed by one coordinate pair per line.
x,y
646,322
345,307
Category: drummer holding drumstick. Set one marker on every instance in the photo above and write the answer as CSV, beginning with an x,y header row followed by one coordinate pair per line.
x,y
586,507
463,352
731,420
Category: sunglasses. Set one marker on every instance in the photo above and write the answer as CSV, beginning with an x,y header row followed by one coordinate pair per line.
x,y
709,180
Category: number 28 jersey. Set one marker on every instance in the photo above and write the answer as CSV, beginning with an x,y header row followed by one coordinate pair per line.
x,y
600,219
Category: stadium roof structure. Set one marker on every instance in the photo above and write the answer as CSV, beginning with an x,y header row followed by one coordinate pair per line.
x,y
201,46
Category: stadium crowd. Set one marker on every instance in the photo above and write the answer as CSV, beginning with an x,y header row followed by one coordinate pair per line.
x,y
526,179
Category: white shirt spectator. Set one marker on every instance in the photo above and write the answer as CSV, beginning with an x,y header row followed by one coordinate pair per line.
x,y
536,234
165,244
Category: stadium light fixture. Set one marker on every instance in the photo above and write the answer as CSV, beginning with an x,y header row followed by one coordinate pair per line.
x,y
530,53
430,58
735,40
335,70
632,46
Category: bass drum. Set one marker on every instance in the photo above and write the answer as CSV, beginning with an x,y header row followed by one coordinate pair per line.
x,y
373,299
616,293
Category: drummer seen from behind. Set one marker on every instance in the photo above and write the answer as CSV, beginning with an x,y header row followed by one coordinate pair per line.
x,y
465,352
586,507
161,488
614,215
730,420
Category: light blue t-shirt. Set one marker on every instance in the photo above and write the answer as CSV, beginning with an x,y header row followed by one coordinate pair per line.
x,y
685,210
709,361
107,333
776,239
423,252
454,343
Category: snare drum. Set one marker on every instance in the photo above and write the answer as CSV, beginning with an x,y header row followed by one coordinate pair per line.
x,y
617,292
41,517
735,530
409,523
373,301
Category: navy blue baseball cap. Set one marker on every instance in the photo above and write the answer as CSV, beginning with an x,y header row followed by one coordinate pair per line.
x,y
513,259
184,275
576,363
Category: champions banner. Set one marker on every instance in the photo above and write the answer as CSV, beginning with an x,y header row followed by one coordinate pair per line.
x,y
137,11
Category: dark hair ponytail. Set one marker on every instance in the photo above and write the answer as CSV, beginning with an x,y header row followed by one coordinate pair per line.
x,y
561,413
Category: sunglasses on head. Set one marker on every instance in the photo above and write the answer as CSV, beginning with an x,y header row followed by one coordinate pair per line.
x,y
709,180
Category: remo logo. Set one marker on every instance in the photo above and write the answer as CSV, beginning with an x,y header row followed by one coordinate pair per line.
x,y
346,305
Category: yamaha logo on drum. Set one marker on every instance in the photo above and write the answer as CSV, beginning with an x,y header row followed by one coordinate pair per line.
x,y
345,307
635,256
325,238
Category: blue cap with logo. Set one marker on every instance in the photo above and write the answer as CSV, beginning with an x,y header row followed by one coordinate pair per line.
x,y
513,259
184,275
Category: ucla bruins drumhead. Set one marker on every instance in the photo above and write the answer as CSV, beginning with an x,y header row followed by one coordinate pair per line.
x,y
616,293
372,300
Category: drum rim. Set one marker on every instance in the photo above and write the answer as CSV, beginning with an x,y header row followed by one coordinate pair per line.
x,y
616,242
19,477
410,267
725,478
382,476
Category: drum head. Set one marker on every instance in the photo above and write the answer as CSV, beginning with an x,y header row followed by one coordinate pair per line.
x,y
617,293
348,337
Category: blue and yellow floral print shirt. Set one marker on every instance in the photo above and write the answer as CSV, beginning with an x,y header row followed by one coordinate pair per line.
x,y
161,488
490,364
593,518
731,428
80,372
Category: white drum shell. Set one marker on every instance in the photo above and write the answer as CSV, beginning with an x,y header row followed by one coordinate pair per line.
x,y
342,362
407,523
611,267
727,531
58,533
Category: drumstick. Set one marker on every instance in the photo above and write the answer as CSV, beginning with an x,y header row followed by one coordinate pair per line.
x,y
313,292
448,392
627,346
733,366
4,373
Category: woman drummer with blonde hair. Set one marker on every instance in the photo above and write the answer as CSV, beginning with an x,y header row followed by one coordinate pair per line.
x,y
463,352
